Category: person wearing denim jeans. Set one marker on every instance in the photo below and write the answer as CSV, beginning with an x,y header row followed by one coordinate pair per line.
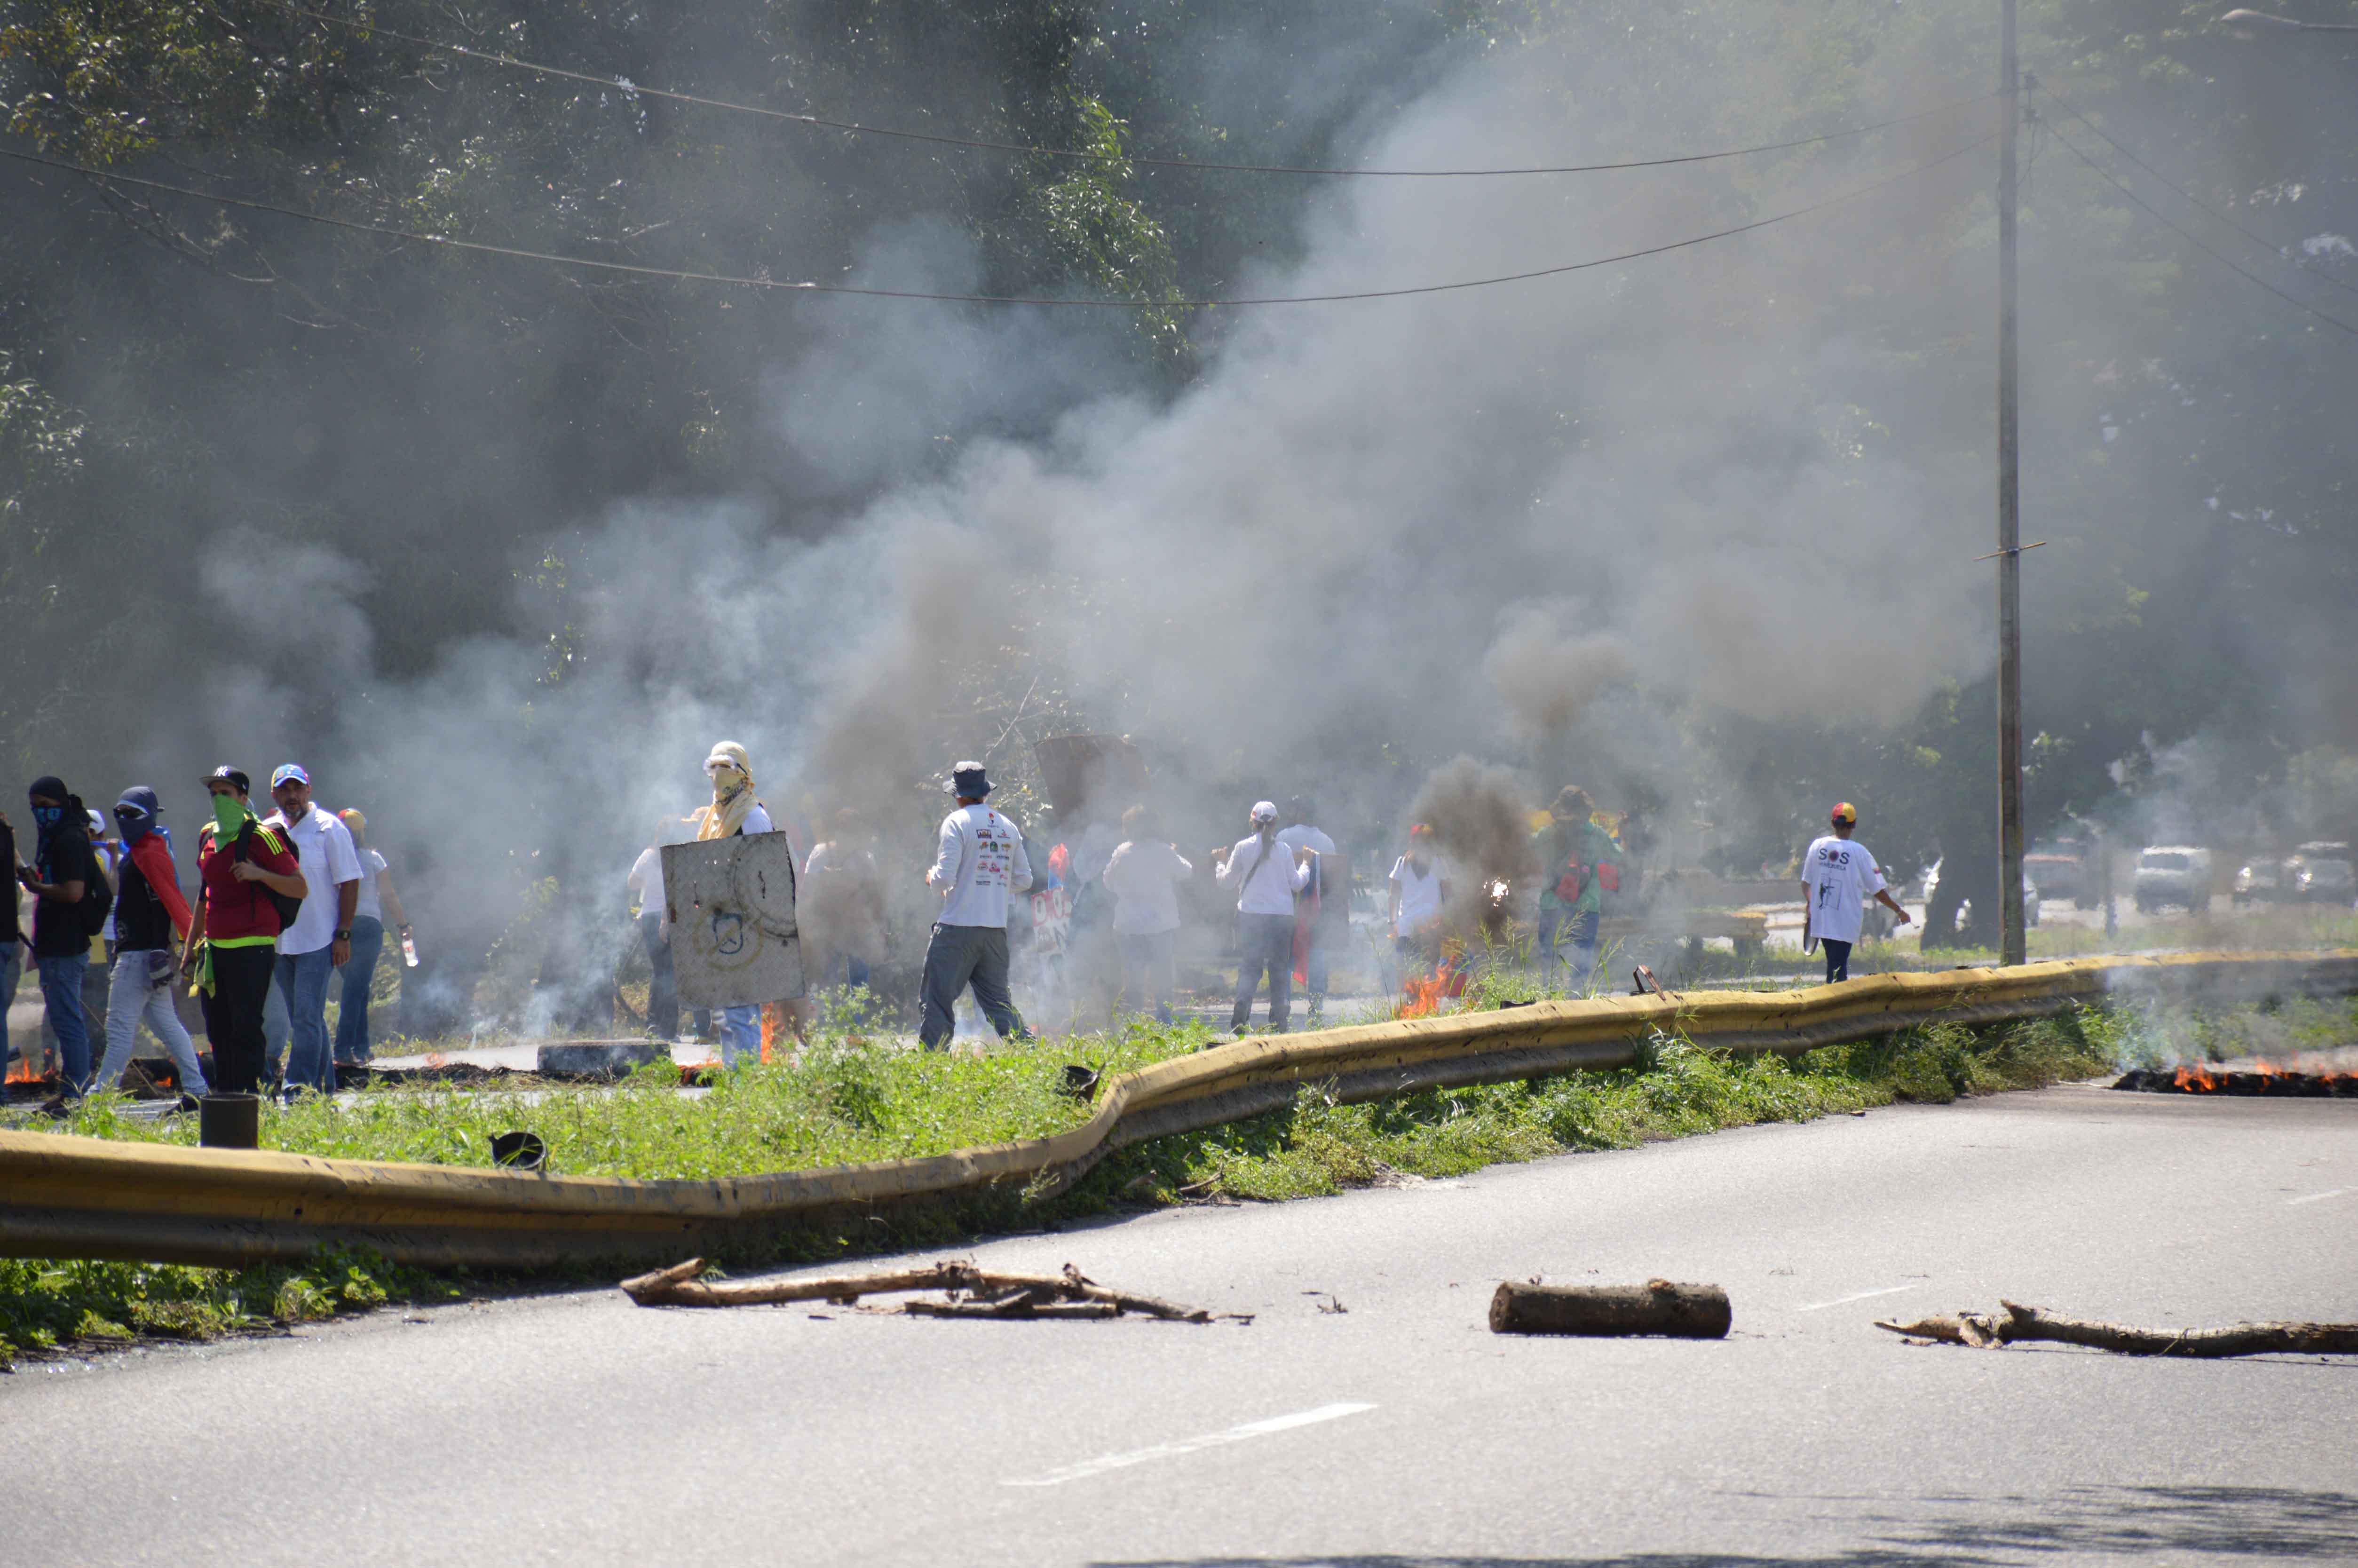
x,y
377,904
148,912
320,941
63,868
1266,875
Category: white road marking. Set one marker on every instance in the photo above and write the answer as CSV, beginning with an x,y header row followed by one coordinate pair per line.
x,y
2317,1197
1863,1295
1251,1429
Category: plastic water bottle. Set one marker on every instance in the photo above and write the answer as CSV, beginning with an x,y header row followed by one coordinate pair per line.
x,y
409,949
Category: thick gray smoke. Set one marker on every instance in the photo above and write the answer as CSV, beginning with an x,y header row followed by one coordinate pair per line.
x,y
1454,522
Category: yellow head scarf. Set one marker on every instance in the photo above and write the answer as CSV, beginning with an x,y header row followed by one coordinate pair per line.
x,y
732,791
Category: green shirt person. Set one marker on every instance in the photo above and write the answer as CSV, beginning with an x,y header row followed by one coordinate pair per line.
x,y
1579,863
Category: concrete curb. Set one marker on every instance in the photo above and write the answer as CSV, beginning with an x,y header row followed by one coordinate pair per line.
x,y
64,1197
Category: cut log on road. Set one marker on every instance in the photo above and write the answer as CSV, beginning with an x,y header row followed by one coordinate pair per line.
x,y
1993,1331
1658,1306
1001,1295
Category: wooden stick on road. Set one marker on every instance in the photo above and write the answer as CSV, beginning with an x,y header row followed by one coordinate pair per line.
x,y
1994,1331
1000,1295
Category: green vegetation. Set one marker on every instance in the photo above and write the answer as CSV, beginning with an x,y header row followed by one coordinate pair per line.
x,y
850,1100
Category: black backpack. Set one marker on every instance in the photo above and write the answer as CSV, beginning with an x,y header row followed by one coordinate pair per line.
x,y
97,898
287,908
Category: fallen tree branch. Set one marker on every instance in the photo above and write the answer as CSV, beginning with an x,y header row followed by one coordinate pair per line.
x,y
1993,1331
989,1295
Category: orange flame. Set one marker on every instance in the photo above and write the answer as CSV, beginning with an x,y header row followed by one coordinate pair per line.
x,y
2196,1079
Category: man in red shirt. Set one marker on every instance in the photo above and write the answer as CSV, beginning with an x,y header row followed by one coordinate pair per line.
x,y
234,944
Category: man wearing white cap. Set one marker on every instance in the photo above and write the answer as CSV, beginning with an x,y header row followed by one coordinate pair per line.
x,y
319,940
1266,872
978,862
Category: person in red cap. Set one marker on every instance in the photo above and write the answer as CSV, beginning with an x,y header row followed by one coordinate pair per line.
x,y
1838,876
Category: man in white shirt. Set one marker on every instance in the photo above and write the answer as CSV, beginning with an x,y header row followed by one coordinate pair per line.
x,y
1838,875
1322,906
1143,876
979,861
320,942
1266,875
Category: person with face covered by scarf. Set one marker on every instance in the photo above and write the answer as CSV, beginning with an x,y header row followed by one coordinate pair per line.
x,y
233,941
148,912
735,810
62,870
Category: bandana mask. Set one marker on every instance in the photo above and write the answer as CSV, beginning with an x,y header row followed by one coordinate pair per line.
x,y
230,815
48,816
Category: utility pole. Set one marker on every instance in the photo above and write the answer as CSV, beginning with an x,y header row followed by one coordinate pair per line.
x,y
2009,525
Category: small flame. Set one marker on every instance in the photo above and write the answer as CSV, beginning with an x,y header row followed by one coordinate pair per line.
x,y
2196,1079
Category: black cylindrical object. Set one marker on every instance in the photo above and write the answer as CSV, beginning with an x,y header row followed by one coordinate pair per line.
x,y
1658,1306
230,1121
519,1151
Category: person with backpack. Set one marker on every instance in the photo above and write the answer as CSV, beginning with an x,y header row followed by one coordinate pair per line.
x,y
319,940
71,903
251,883
1579,863
1266,873
12,940
148,914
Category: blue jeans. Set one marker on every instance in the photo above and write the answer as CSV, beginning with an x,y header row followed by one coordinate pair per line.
x,y
12,964
1561,929
351,1012
740,1033
276,1024
61,980
302,979
141,992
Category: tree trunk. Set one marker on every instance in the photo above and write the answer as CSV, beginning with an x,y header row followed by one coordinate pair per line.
x,y
1658,1306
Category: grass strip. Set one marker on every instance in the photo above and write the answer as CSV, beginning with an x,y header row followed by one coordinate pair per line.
x,y
850,1100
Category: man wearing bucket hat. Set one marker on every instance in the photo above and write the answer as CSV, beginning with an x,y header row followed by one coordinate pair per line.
x,y
1838,876
977,863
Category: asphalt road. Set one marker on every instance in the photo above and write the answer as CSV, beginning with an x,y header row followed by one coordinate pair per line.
x,y
579,1429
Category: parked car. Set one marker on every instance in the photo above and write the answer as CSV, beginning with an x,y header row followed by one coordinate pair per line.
x,y
1965,909
2173,873
2262,881
2062,871
2321,873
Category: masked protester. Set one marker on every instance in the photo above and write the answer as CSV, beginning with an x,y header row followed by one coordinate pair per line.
x,y
12,940
149,913
733,811
1266,874
232,944
63,873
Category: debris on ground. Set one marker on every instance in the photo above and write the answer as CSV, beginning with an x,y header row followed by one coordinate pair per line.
x,y
1658,1306
969,1291
2014,1323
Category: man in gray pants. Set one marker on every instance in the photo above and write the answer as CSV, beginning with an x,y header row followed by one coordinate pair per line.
x,y
978,863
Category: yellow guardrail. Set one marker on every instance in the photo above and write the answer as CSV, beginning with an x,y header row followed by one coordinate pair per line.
x,y
64,1197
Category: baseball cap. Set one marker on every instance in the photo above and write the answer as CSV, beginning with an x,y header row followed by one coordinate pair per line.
x,y
1845,812
227,775
1264,811
353,817
97,819
287,771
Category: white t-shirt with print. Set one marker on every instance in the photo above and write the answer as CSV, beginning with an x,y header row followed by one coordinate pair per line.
x,y
979,860
1838,876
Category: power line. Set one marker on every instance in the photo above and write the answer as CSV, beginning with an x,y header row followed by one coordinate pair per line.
x,y
587,263
623,85
2261,240
2104,174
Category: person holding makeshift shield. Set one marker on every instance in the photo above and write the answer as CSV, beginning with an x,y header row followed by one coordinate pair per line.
x,y
735,811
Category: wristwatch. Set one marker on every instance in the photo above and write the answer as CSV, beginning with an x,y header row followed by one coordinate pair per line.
x,y
345,935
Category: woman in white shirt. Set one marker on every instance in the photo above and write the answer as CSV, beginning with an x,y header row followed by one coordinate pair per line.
x,y
1266,875
1420,890
1143,875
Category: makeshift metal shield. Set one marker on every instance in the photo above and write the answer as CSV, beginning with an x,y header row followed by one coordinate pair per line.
x,y
731,906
